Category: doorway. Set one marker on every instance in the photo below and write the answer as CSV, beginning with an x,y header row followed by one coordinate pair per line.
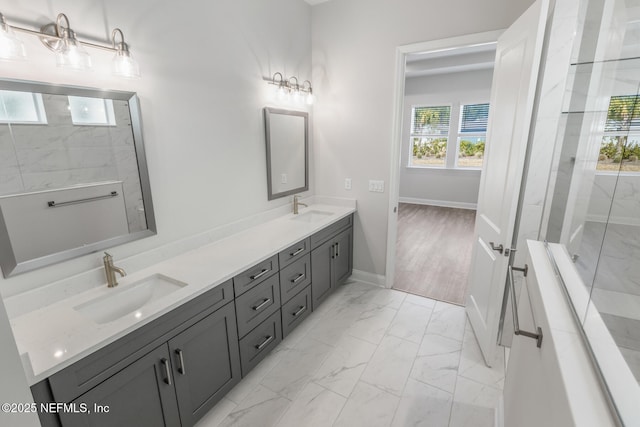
x,y
444,105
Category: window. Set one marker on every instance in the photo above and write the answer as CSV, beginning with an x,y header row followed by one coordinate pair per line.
x,y
91,111
620,147
472,135
21,108
429,135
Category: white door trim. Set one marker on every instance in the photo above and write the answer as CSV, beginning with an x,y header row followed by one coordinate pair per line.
x,y
396,140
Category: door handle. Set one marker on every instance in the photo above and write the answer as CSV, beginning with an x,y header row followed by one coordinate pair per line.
x,y
499,248
337,249
181,368
167,371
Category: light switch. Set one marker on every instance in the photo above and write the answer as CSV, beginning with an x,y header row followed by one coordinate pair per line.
x,y
283,178
347,183
376,186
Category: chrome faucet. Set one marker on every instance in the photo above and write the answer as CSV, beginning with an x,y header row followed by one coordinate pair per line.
x,y
297,204
110,270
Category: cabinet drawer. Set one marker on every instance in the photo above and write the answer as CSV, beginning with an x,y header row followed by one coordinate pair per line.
x,y
294,252
255,305
294,277
328,232
259,342
256,274
296,310
90,371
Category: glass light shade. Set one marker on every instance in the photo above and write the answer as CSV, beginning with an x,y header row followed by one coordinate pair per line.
x,y
73,56
310,98
283,93
125,66
11,47
297,98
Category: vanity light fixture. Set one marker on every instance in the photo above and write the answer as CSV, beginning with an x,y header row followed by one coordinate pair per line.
x,y
290,89
70,52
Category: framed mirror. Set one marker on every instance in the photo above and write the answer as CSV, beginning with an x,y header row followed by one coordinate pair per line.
x,y
73,173
287,137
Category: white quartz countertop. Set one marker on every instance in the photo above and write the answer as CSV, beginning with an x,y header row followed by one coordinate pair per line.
x,y
55,336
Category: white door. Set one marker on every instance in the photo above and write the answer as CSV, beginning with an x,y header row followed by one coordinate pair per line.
x,y
512,97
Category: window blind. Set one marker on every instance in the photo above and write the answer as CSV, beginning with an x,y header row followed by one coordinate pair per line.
x,y
474,118
623,114
431,120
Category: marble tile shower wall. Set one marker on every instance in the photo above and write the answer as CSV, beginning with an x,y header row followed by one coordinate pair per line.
x,y
37,157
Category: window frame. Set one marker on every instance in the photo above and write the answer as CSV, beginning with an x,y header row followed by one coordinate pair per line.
x,y
454,134
40,111
460,134
434,136
632,131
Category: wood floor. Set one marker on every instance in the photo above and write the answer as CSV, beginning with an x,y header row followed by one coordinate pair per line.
x,y
433,251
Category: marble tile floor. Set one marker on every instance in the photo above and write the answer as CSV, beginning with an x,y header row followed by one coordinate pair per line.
x,y
370,357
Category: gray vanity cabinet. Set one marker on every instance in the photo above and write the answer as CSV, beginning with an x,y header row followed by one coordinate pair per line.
x,y
331,261
175,384
140,395
206,363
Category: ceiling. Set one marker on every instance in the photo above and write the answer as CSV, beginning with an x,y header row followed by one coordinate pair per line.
x,y
469,58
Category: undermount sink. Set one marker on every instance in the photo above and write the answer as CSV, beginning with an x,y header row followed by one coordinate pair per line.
x,y
129,298
312,216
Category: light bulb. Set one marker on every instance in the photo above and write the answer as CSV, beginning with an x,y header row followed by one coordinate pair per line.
x,y
11,47
296,97
73,55
310,98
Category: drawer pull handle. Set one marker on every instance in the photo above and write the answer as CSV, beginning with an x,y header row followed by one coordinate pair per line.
x,y
297,279
262,304
262,273
296,252
300,311
267,340
167,378
337,249
333,251
181,360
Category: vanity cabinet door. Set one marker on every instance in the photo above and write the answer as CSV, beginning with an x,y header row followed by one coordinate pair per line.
x,y
140,395
206,363
342,262
321,260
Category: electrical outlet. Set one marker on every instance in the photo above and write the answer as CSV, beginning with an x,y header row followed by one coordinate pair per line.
x,y
376,186
347,183
283,178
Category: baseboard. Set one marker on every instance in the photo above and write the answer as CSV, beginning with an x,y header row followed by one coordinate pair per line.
x,y
441,203
499,413
370,278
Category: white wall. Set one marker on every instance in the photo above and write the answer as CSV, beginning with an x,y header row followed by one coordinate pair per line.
x,y
201,92
354,51
451,187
